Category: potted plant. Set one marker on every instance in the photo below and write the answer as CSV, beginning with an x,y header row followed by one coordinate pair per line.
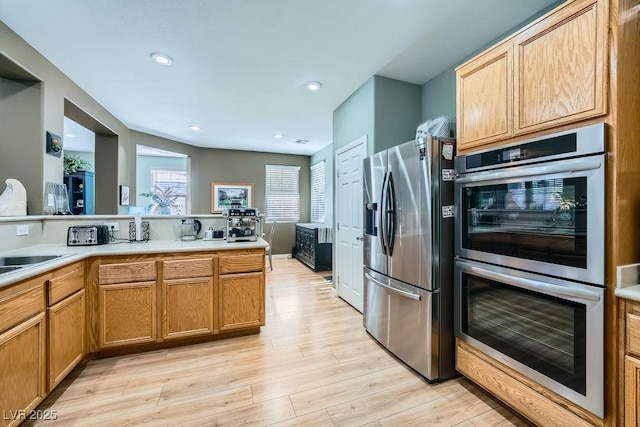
x,y
73,163
161,200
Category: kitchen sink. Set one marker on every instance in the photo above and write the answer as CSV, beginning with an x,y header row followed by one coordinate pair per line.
x,y
8,268
18,261
10,264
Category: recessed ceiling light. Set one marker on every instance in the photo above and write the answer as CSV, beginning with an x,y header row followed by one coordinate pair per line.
x,y
69,135
161,58
278,135
194,128
313,86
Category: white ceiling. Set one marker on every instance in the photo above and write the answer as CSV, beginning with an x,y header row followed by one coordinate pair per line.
x,y
240,65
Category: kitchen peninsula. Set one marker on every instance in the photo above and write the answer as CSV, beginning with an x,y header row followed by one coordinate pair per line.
x,y
119,298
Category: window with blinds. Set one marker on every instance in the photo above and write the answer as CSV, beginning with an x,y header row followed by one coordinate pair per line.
x,y
282,193
171,188
317,192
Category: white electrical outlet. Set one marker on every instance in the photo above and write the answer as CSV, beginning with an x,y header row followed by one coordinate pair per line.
x,y
22,230
112,226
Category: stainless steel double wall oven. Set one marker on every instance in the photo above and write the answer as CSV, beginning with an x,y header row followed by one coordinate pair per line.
x,y
530,254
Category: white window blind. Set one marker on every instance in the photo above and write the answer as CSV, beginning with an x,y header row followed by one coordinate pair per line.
x,y
282,193
317,192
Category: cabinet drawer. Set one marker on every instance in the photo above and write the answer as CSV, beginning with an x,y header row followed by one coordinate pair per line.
x,y
61,287
127,272
186,268
21,306
633,333
242,263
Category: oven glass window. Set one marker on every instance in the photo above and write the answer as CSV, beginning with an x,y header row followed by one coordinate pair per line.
x,y
540,220
542,332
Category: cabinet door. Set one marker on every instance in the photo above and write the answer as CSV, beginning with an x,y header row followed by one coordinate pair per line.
x,y
631,391
241,299
22,369
485,98
127,313
188,307
66,336
560,68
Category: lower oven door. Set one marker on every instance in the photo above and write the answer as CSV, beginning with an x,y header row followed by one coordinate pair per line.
x,y
548,329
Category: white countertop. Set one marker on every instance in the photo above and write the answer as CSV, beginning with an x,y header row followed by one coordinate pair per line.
x,y
76,253
628,285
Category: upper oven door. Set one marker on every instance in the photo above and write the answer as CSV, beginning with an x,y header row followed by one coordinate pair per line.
x,y
546,217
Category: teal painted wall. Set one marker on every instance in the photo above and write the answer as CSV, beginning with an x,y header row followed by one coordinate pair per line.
x,y
439,93
326,154
439,97
397,112
355,117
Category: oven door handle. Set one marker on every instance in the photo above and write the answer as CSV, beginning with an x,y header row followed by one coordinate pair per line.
x,y
416,297
532,285
562,167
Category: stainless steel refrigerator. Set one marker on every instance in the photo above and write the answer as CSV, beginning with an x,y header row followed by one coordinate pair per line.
x,y
408,253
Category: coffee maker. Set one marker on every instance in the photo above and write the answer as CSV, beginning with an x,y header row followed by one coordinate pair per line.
x,y
242,224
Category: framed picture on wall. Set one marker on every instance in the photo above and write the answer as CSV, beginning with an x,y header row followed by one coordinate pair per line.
x,y
124,195
231,194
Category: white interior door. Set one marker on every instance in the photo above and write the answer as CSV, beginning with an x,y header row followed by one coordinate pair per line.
x,y
349,222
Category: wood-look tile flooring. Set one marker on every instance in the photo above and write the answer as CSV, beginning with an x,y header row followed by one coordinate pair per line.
x,y
312,365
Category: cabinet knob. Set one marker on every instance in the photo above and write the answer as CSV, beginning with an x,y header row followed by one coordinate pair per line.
x,y
360,238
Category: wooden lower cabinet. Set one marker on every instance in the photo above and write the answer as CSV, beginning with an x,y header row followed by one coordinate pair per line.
x,y
66,336
127,314
632,391
241,301
187,307
22,369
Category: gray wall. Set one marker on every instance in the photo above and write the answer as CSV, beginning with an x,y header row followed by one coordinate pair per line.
x,y
21,142
208,165
211,165
326,154
41,106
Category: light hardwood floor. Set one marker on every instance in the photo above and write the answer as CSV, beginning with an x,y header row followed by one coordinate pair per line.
x,y
312,365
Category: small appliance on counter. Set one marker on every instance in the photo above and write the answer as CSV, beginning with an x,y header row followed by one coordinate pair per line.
x,y
88,235
212,234
242,224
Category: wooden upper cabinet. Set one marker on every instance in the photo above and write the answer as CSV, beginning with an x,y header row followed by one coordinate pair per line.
x,y
485,98
560,68
549,74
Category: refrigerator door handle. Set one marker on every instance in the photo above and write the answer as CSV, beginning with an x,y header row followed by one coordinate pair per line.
x,y
383,215
391,212
416,297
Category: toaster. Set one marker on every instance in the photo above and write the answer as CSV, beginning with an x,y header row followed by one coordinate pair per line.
x,y
86,235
